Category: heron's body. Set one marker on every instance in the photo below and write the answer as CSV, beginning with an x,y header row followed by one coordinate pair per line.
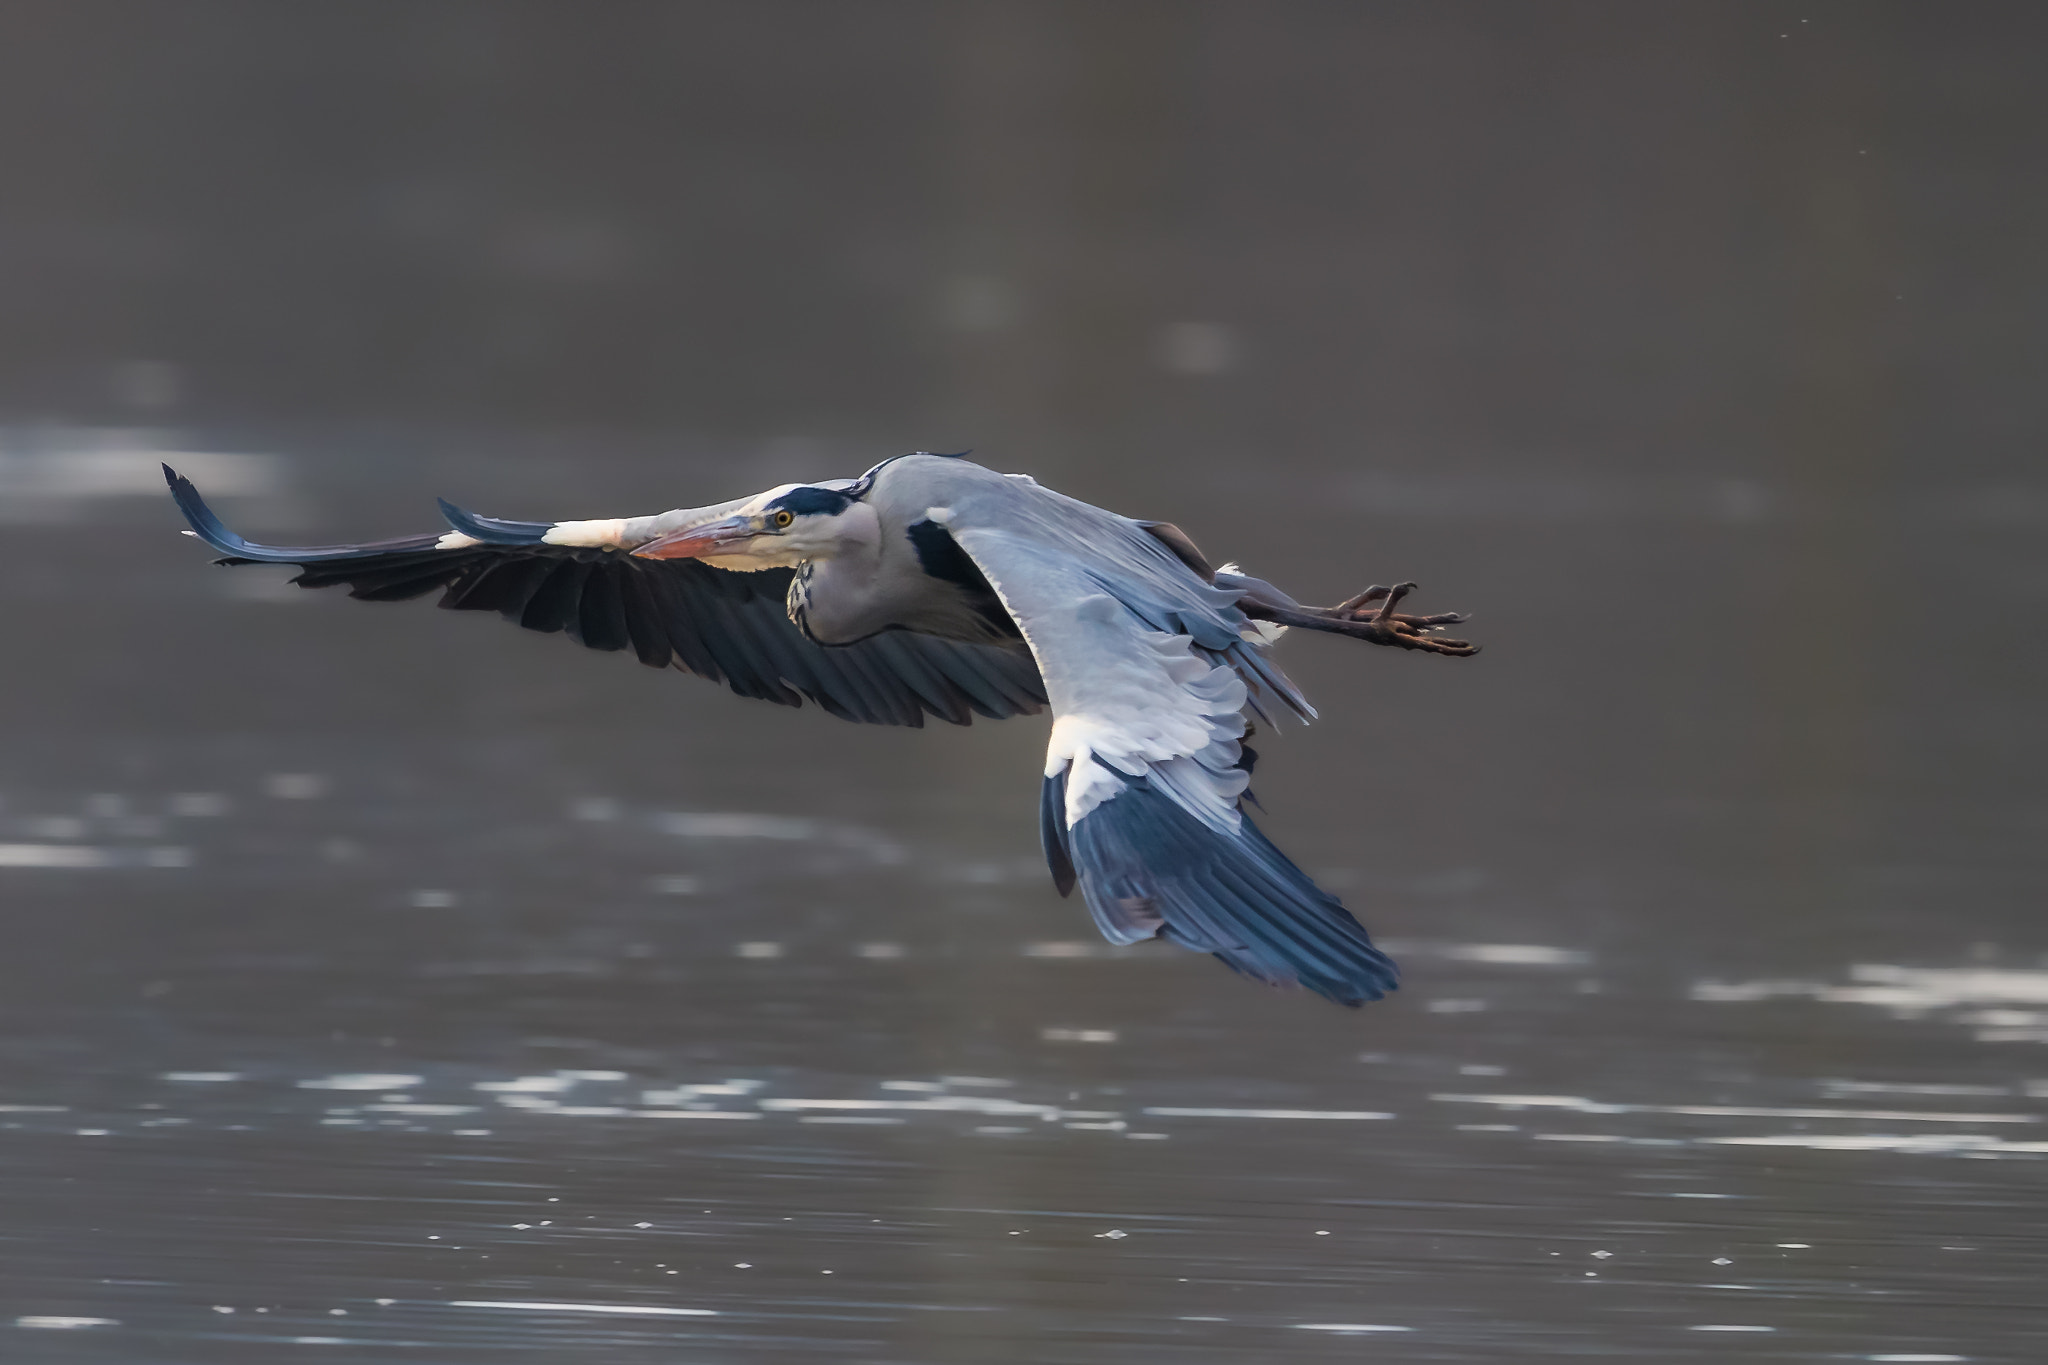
x,y
934,586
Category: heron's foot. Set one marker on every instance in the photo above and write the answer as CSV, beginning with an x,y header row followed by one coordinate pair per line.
x,y
1380,624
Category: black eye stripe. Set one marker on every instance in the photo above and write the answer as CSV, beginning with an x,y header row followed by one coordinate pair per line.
x,y
802,502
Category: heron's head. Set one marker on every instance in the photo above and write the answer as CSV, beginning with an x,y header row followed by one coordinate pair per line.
x,y
783,527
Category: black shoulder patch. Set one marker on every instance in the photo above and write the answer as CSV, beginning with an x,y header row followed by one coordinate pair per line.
x,y
939,555
809,501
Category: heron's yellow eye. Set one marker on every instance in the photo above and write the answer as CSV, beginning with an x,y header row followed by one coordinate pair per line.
x,y
782,520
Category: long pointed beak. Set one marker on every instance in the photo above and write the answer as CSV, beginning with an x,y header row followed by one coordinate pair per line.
x,y
713,537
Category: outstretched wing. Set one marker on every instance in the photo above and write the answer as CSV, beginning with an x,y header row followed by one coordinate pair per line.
x,y
1149,670
728,627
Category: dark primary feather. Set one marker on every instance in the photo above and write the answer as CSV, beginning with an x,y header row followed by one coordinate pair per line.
x,y
1149,868
729,627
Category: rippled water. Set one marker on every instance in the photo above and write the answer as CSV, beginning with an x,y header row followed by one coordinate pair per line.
x,y
412,988
389,986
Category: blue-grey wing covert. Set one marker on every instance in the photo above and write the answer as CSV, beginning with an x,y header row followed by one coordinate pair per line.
x,y
1149,671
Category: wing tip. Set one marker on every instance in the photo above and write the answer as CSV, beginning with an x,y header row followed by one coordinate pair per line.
x,y
492,530
1234,896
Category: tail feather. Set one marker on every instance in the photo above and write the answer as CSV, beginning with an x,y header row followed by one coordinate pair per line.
x,y
1150,868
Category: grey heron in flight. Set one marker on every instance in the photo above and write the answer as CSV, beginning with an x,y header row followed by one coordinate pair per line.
x,y
932,586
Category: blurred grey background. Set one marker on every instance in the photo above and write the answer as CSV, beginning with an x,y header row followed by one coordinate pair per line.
x,y
1694,347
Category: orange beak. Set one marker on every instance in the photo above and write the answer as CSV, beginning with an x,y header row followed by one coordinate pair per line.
x,y
712,538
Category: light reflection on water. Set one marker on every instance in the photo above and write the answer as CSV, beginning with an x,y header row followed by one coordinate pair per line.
x,y
618,1019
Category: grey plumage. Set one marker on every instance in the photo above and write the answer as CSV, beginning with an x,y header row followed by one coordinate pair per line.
x,y
933,586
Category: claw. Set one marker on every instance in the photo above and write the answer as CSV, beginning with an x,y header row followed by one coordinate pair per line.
x,y
1372,594
1384,626
1394,596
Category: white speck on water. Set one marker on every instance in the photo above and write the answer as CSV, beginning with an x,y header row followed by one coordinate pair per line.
x,y
522,1227
1078,1035
1898,988
198,805
624,1309
733,825
368,1080
1839,1089
54,1323
758,950
1516,955
201,1077
1266,1113
1322,1232
222,1308
1114,1234
295,786
526,1085
1722,1260
1729,1327
643,1225
742,1265
1061,948
1915,1357
1602,1255
385,1303
1796,1246
1347,1327
59,856
877,1121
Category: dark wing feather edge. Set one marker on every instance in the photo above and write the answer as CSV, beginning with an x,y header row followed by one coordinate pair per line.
x,y
729,627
